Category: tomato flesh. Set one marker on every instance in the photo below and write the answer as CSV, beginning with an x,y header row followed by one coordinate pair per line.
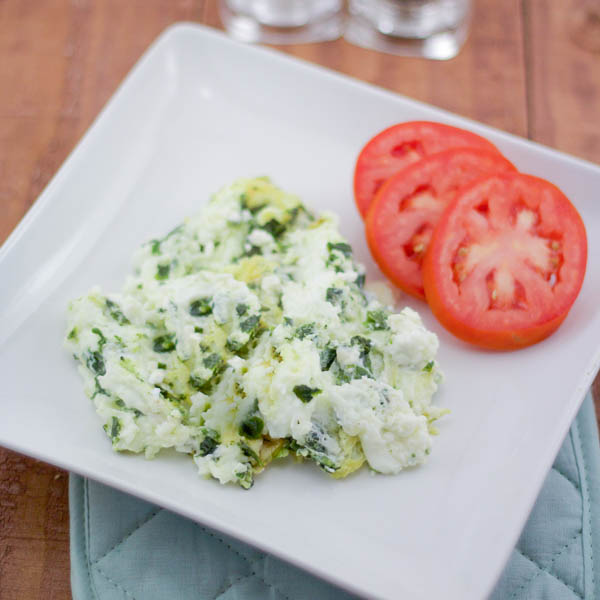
x,y
400,145
405,211
506,261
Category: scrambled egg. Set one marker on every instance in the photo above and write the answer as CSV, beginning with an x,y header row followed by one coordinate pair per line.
x,y
245,335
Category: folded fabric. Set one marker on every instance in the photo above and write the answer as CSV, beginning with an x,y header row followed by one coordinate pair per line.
x,y
123,548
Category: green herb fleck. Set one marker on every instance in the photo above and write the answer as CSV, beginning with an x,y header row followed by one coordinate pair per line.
x,y
72,334
252,251
95,362
161,365
252,427
360,372
305,330
250,323
306,393
376,320
333,295
212,361
162,272
164,343
155,246
115,427
241,309
250,454
200,384
428,367
200,307
116,313
326,357
343,247
274,227
98,389
360,281
365,347
207,446
102,340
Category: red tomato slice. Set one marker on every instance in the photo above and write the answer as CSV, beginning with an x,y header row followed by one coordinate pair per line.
x,y
406,209
400,145
506,262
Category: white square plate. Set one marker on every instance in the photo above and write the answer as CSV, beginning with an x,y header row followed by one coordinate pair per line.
x,y
198,111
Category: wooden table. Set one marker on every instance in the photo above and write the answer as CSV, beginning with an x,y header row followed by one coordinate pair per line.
x,y
525,69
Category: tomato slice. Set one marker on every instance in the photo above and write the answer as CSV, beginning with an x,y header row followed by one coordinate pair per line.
x,y
408,206
505,262
400,145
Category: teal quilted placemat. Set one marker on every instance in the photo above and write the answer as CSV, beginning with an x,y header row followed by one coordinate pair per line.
x,y
125,549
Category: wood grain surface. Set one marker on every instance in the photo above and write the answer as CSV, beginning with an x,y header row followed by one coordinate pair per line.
x,y
527,68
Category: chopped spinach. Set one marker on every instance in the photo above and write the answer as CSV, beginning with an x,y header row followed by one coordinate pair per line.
x,y
326,358
376,320
305,330
116,313
364,345
98,389
343,247
245,478
305,393
161,365
207,446
200,307
102,340
252,427
241,309
162,272
95,362
115,428
200,384
253,251
164,343
274,227
212,361
360,281
250,323
353,372
169,395
233,345
255,459
333,295
360,372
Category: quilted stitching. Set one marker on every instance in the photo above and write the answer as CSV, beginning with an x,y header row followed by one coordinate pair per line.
x,y
252,563
590,547
554,468
127,536
118,586
131,512
540,570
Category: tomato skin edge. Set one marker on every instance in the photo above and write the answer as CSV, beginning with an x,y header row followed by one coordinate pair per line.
x,y
374,248
478,142
503,340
